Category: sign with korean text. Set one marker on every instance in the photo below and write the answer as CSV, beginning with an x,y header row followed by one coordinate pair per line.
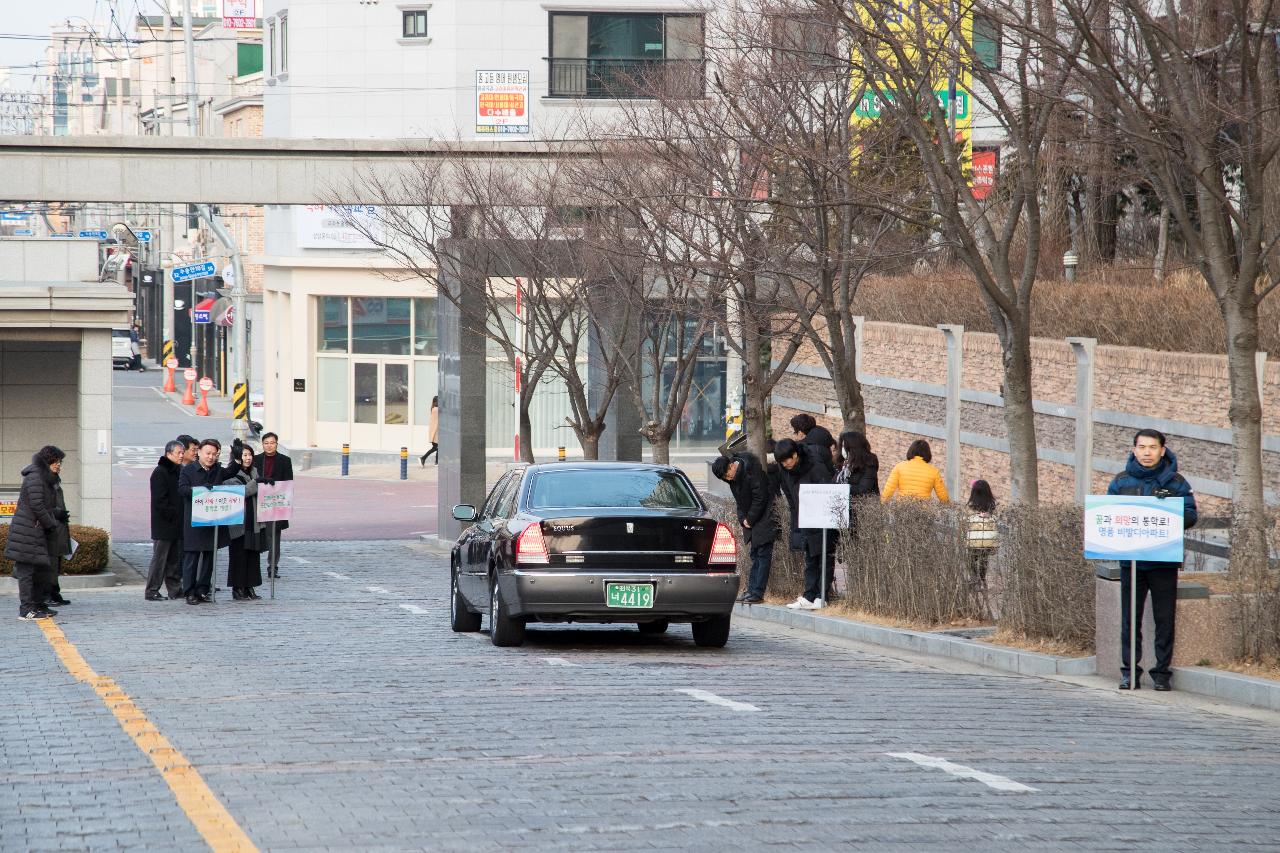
x,y
200,269
343,226
502,102
986,162
24,232
93,233
217,506
239,14
143,235
8,506
275,503
1127,527
823,506
200,316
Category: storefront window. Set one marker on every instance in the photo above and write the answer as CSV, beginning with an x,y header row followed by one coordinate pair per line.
x,y
379,326
426,340
332,334
365,392
424,388
331,395
395,396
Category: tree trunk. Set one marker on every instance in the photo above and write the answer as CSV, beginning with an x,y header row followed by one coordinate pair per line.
x,y
1245,413
1019,417
590,443
661,450
849,396
526,428
1162,245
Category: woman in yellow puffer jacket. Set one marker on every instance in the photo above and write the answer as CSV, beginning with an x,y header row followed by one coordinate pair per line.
x,y
915,478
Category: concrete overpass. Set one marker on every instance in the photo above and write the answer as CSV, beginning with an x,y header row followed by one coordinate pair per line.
x,y
217,170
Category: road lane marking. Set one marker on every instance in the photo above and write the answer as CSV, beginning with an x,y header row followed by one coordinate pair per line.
x,y
560,662
174,403
708,696
338,577
210,818
378,589
991,780
413,608
299,560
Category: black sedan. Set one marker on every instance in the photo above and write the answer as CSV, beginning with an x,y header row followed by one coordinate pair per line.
x,y
602,542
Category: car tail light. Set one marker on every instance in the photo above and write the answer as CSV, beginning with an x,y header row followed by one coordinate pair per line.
x,y
531,547
723,548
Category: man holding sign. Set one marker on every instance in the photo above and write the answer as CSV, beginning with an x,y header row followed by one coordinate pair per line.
x,y
1151,471
198,542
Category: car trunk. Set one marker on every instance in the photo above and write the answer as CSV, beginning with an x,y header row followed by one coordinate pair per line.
x,y
635,542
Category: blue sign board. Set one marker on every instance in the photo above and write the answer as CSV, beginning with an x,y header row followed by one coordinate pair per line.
x,y
217,506
144,236
62,234
12,216
23,232
94,233
200,269
198,316
1127,527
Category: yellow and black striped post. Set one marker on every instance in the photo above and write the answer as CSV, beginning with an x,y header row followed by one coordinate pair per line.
x,y
404,463
240,402
168,352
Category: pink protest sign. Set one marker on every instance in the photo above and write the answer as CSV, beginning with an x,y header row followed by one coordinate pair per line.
x,y
275,503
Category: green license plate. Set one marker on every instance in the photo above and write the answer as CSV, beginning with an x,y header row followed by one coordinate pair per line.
x,y
638,596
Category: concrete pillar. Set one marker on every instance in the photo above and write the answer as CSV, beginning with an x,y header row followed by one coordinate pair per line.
x,y
461,383
621,440
955,355
93,410
1084,350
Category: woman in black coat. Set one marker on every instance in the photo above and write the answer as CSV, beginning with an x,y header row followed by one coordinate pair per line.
x,y
38,535
244,571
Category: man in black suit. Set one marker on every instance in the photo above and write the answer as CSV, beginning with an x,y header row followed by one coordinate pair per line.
x,y
198,543
273,466
166,525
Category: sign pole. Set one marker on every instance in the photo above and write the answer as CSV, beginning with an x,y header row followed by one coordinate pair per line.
x,y
213,574
1133,624
273,555
822,593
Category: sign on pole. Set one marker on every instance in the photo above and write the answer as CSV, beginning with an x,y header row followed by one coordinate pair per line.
x,y
93,233
190,374
24,232
201,316
275,503
239,14
199,269
217,506
143,235
823,506
1128,527
206,384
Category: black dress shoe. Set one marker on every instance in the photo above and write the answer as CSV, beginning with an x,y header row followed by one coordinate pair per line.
x,y
1162,685
1124,683
752,599
237,595
252,593
193,599
155,596
59,601
206,598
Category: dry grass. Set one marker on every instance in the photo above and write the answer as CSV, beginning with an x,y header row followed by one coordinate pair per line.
x,y
1219,583
1257,669
1104,305
1058,648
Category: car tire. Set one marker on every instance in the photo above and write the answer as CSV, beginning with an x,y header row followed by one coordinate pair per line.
x,y
713,633
461,619
659,627
503,629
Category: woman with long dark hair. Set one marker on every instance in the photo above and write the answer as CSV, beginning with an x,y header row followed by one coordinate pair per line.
x,y
856,465
244,571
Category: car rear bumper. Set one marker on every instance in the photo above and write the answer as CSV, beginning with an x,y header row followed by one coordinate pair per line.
x,y
579,596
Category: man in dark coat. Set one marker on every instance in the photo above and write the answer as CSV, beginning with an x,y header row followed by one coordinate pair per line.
x,y
1152,471
272,466
198,542
753,497
37,531
807,431
166,525
802,464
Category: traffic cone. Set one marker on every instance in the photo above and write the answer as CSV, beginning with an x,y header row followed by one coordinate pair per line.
x,y
203,408
188,396
169,386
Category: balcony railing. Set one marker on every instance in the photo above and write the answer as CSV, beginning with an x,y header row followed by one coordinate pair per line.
x,y
627,78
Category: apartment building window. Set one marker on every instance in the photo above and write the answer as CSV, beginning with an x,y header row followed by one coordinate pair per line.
x,y
272,47
414,23
284,44
625,55
986,41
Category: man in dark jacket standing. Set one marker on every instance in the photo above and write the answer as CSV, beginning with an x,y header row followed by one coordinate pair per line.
x,y
802,464
754,500
166,525
37,535
1152,471
806,430
273,466
198,543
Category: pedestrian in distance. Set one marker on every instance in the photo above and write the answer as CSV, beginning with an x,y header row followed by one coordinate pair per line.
x,y
434,434
166,525
802,464
916,478
982,536
805,430
753,499
199,543
1152,471
38,534
244,566
190,449
273,466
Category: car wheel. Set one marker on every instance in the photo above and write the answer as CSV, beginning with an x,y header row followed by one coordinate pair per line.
x,y
503,630
659,627
713,633
461,619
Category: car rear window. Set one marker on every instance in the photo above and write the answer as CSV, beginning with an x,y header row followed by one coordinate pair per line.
x,y
610,488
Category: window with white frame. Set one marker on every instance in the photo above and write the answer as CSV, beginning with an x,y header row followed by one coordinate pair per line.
x,y
284,43
272,48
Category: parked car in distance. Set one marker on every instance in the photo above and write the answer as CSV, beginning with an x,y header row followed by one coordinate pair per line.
x,y
125,350
597,542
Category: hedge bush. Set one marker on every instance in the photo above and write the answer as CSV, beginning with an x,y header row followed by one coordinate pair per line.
x,y
91,557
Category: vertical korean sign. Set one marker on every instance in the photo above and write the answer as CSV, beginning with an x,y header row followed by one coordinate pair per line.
x,y
502,102
1124,527
275,503
239,14
218,506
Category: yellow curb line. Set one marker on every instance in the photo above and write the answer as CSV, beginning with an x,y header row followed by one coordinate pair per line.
x,y
206,813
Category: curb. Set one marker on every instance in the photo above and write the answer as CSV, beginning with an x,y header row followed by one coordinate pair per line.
x,y
436,544
1228,686
921,642
102,580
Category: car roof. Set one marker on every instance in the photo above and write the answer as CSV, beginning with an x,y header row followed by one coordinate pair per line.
x,y
590,465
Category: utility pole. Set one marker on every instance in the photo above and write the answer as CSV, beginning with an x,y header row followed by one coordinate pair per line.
x,y
189,45
166,290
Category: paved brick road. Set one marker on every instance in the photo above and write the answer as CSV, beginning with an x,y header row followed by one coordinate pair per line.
x,y
337,718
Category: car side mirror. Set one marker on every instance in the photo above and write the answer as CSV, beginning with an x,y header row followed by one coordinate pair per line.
x,y
464,512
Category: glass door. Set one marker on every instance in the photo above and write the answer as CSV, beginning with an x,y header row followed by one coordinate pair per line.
x,y
366,409
395,406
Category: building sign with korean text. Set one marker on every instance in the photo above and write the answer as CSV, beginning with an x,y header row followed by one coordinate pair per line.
x,y
324,226
239,14
502,102
1127,527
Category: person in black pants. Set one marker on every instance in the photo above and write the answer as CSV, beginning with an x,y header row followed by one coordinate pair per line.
x,y
166,526
1152,471
198,542
273,465
753,498
38,535
803,464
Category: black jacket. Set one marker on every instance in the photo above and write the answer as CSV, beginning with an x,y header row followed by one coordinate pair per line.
x,y
819,438
864,481
1162,481
282,469
34,525
166,505
809,469
191,476
754,499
